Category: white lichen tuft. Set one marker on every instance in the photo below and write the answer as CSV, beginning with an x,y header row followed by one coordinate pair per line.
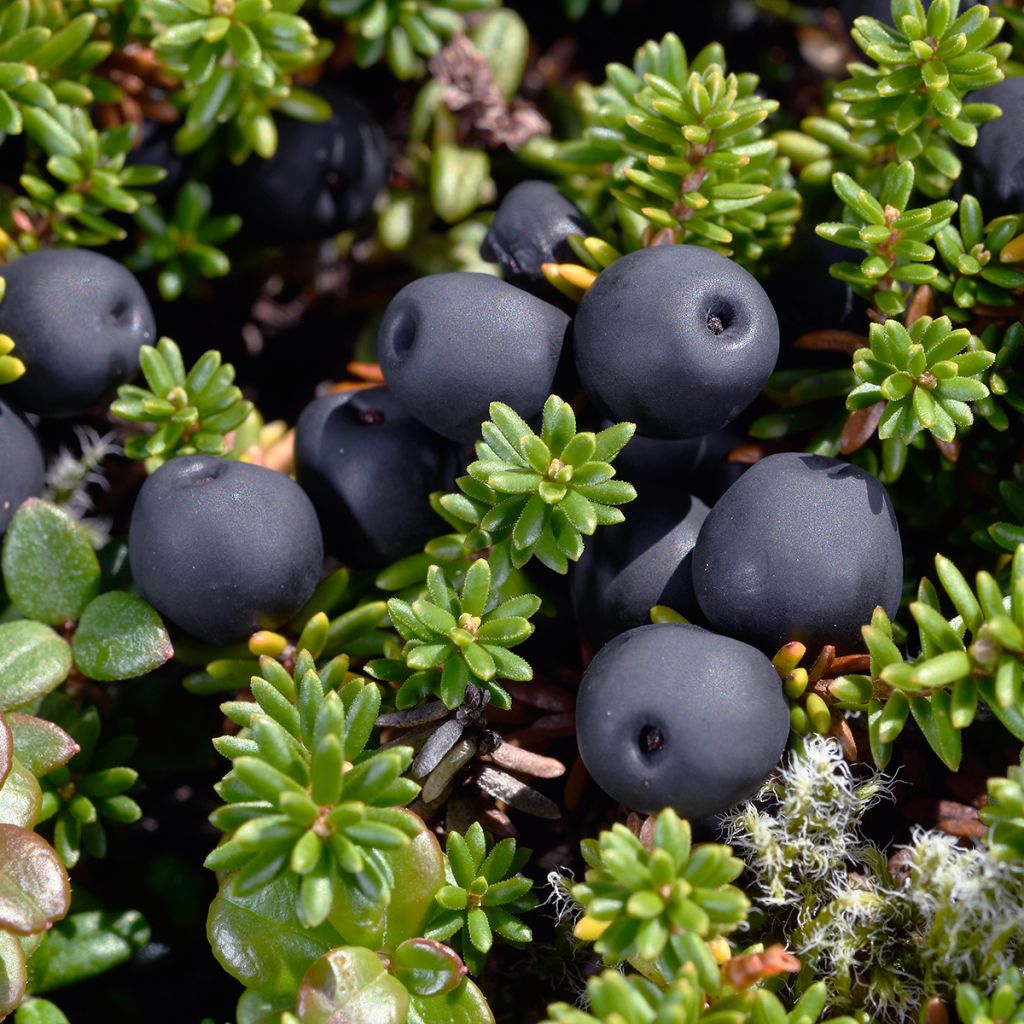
x,y
887,935
798,834
71,479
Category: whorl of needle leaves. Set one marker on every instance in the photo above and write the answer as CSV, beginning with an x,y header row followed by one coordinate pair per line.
x,y
678,146
910,104
925,374
540,494
453,639
303,795
661,901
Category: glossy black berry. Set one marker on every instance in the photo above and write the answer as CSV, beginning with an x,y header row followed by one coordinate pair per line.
x,y
450,344
994,168
677,339
78,320
801,547
323,177
224,548
674,716
22,468
530,228
369,468
647,560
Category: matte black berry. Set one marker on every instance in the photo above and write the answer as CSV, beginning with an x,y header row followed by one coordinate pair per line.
x,y
994,168
647,560
78,320
801,547
530,228
224,548
369,468
677,339
22,468
699,465
674,716
450,344
323,177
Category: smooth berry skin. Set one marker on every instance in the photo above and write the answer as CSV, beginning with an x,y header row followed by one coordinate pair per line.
x,y
627,569
450,344
223,548
676,339
369,469
801,547
531,227
78,320
22,467
994,168
323,177
699,465
670,715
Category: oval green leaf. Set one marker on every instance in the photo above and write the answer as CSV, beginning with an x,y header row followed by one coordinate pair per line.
x,y
33,661
34,889
50,569
41,746
426,967
12,973
465,1005
350,986
120,637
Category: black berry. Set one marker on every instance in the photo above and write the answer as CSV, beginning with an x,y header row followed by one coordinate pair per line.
x,y
647,560
22,469
224,548
677,339
674,716
78,320
369,468
530,228
450,344
323,177
801,547
994,168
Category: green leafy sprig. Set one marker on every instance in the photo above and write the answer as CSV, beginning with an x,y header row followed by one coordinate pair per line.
x,y
483,897
893,238
1006,1003
659,903
47,54
235,59
402,31
678,146
926,375
540,494
303,795
91,788
970,661
85,184
1004,814
454,639
615,998
911,104
191,411
977,257
185,246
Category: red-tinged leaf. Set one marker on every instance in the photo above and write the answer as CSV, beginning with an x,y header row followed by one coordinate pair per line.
x,y
34,889
41,746
465,1005
19,797
427,968
6,749
12,973
350,986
